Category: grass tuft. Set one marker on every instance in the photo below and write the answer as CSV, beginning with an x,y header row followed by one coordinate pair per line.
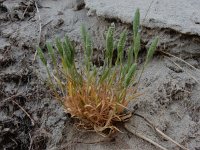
x,y
98,102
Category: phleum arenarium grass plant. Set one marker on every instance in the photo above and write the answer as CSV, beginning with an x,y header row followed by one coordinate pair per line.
x,y
97,101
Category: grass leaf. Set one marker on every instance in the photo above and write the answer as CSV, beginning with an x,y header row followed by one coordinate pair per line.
x,y
51,53
83,35
129,75
59,46
136,46
67,55
130,56
104,75
88,47
41,55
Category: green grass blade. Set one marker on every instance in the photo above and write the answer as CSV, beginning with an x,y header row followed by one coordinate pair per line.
x,y
67,55
41,55
88,52
83,35
88,47
52,54
124,71
130,56
60,84
70,48
136,46
59,46
69,52
130,75
104,75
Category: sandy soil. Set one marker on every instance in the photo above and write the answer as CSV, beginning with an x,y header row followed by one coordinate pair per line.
x,y
171,94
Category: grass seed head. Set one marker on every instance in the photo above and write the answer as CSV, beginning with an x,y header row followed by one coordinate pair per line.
x,y
120,47
136,23
151,50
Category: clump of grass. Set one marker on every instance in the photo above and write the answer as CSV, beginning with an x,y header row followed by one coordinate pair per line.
x,y
97,101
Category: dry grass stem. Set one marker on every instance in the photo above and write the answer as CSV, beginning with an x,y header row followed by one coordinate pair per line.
x,y
11,97
134,132
32,121
178,58
184,70
160,132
